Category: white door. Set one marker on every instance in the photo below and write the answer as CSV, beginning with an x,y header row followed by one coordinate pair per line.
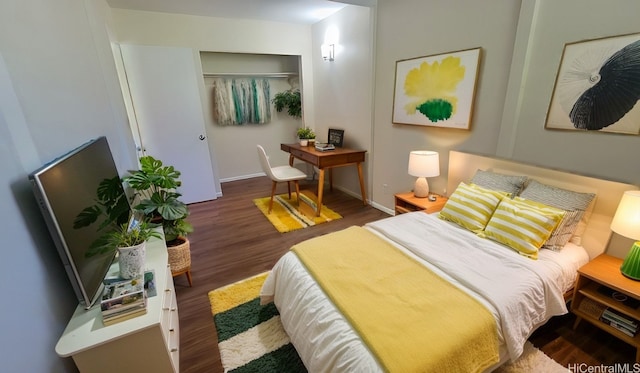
x,y
168,111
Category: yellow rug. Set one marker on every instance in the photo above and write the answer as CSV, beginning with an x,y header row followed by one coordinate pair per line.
x,y
286,217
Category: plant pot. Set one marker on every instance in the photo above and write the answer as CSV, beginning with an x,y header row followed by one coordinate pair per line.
x,y
304,142
311,142
131,260
180,258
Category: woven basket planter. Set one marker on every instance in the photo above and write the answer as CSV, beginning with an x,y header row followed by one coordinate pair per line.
x,y
180,258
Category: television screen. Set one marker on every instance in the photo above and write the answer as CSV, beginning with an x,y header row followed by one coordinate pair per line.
x,y
63,189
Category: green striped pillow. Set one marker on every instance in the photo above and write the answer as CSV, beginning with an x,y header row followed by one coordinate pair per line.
x,y
523,225
471,206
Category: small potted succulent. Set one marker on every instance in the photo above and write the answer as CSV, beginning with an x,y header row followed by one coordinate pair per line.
x,y
306,135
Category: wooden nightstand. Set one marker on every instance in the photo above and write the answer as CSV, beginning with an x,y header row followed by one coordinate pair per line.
x,y
406,202
596,280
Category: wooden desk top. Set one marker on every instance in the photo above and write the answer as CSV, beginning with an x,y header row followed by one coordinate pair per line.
x,y
330,158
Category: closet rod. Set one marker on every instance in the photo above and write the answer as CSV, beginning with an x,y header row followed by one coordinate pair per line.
x,y
261,75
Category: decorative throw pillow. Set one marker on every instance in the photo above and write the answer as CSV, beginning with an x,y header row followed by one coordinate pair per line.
x,y
511,184
471,206
522,224
574,203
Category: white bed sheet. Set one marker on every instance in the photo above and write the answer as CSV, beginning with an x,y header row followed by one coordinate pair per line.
x,y
326,341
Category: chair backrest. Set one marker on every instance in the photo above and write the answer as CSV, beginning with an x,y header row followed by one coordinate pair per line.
x,y
264,162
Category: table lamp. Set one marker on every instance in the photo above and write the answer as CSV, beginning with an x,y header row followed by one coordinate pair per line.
x,y
423,164
626,222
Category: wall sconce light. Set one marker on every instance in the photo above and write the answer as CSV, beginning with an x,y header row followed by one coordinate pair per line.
x,y
328,51
423,164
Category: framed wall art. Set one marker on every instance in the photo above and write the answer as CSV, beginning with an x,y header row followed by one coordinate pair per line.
x,y
336,137
436,90
597,86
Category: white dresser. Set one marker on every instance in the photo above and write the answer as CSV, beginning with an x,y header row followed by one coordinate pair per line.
x,y
147,343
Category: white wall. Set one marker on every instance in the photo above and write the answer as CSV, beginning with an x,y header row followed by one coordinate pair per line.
x,y
58,89
343,88
554,23
413,28
212,34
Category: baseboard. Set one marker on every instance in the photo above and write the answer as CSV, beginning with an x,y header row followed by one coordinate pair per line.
x,y
344,190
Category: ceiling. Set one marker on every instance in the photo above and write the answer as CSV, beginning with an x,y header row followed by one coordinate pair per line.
x,y
289,11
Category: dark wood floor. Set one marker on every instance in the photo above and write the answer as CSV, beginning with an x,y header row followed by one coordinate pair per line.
x,y
233,240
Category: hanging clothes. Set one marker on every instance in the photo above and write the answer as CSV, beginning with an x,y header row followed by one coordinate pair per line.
x,y
241,101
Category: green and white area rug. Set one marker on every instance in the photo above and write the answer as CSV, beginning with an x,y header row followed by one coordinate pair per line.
x,y
286,217
251,337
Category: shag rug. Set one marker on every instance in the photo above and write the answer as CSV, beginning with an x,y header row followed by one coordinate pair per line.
x,y
251,337
286,217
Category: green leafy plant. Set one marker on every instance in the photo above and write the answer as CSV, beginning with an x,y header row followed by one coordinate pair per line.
x,y
305,133
111,209
122,236
155,185
290,100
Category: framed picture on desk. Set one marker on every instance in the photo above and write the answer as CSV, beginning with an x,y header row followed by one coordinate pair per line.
x,y
336,137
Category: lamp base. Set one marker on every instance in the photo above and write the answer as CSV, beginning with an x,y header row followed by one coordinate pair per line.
x,y
421,188
630,277
631,265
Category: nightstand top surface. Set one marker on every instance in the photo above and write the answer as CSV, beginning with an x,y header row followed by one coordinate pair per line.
x,y
606,270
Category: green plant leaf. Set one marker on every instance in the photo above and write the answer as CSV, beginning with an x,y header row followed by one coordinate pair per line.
x,y
291,100
87,216
176,228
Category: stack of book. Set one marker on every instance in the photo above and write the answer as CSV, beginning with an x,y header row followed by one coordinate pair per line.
x,y
621,322
323,146
123,300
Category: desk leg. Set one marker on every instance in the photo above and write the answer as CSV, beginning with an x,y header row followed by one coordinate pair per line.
x,y
320,189
363,191
291,160
331,179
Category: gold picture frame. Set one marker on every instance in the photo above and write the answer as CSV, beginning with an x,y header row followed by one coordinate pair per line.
x,y
436,90
597,86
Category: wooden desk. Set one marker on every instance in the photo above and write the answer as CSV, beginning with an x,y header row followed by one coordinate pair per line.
x,y
327,160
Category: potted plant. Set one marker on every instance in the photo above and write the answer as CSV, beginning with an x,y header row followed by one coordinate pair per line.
x,y
290,100
113,213
155,186
304,135
111,209
130,241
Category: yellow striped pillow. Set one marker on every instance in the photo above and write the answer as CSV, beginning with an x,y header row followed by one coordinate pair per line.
x,y
471,206
523,225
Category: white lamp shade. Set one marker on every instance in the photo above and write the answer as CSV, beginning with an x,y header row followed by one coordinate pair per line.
x,y
626,221
424,163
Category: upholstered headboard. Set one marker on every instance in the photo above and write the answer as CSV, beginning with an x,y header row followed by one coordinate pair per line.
x,y
462,167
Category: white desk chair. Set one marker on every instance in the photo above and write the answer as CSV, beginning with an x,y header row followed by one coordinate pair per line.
x,y
280,174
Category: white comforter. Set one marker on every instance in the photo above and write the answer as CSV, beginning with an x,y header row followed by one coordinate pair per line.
x,y
521,293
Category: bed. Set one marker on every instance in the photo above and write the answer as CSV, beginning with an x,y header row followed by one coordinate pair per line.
x,y
476,296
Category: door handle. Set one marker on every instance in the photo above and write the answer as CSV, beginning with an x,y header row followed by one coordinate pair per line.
x,y
201,137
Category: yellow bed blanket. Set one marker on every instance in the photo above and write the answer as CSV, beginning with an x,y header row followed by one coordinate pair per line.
x,y
409,317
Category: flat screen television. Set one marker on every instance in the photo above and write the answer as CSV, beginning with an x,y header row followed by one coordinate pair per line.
x,y
63,188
